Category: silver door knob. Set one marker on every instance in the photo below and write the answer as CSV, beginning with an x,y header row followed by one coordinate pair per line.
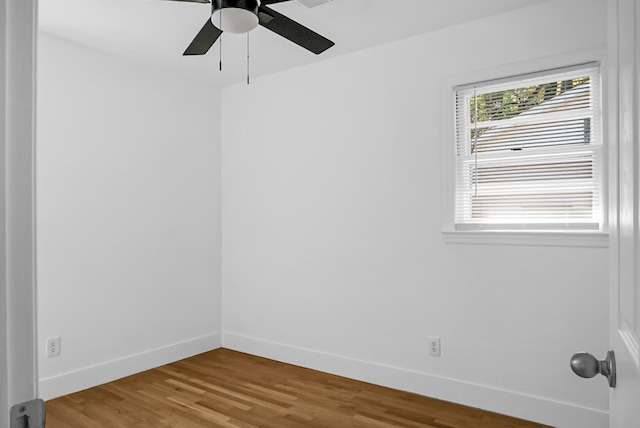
x,y
586,365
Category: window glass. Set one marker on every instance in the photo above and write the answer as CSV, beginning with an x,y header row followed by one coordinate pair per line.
x,y
529,152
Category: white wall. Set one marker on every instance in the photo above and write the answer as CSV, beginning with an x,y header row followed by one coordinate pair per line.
x,y
128,217
333,253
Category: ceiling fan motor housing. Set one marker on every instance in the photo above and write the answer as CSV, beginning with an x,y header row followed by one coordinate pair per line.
x,y
235,16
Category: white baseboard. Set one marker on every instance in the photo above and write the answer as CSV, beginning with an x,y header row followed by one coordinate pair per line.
x,y
108,371
537,409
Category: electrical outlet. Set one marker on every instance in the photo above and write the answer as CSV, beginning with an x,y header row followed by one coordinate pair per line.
x,y
434,346
53,347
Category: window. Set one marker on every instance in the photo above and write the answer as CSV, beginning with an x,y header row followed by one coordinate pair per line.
x,y
529,152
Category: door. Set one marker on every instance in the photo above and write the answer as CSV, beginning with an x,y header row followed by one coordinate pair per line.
x,y
18,380
624,115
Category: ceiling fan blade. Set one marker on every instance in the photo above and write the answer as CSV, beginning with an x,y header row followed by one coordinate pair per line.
x,y
204,39
290,29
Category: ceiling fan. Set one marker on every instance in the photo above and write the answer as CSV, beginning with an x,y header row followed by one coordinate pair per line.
x,y
242,16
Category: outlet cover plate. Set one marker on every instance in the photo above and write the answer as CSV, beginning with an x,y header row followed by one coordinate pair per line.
x,y
434,346
53,347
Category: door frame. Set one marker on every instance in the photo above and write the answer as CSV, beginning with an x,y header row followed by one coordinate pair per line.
x,y
18,348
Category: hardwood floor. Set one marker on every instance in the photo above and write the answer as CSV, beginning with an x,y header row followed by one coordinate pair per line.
x,y
224,388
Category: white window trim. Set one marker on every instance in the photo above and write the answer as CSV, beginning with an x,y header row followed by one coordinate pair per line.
x,y
596,238
534,238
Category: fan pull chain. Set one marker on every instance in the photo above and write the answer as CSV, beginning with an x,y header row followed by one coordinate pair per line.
x,y
220,46
220,40
248,79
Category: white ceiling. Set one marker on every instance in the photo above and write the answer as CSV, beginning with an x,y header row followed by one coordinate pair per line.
x,y
156,32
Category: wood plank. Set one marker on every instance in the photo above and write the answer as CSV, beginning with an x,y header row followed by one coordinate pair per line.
x,y
224,388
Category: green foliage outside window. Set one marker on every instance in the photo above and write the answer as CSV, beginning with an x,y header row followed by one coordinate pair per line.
x,y
502,105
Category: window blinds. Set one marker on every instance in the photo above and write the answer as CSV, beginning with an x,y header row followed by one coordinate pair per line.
x,y
529,152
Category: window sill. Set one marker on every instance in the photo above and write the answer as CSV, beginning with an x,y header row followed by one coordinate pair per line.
x,y
533,238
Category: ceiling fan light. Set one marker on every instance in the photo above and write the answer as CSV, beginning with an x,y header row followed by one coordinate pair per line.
x,y
234,20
